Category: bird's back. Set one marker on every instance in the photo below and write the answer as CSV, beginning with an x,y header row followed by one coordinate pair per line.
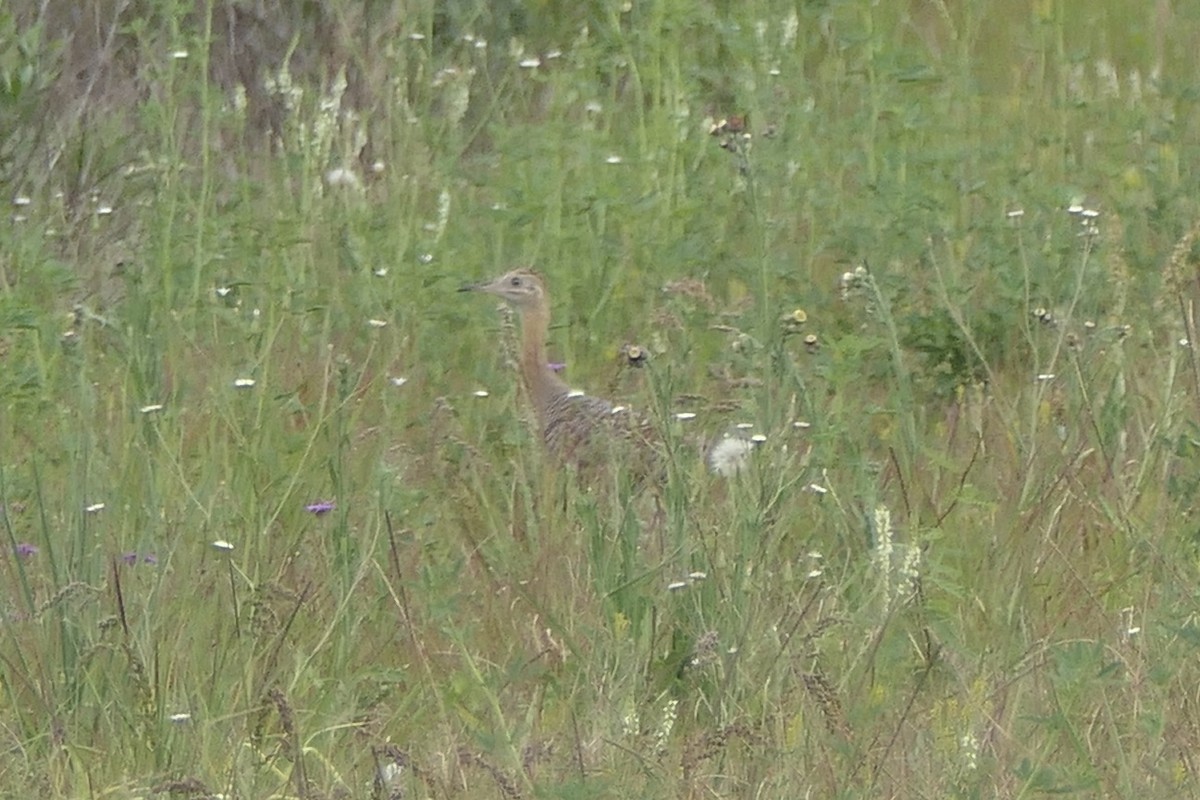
x,y
590,432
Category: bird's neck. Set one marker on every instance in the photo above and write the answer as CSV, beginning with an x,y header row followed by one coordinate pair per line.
x,y
540,380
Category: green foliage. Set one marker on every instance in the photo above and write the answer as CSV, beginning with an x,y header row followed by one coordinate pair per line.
x,y
275,516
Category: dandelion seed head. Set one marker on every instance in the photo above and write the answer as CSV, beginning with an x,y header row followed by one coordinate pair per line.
x,y
729,455
342,177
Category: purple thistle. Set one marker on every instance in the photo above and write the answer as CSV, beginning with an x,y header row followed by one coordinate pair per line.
x,y
27,550
320,507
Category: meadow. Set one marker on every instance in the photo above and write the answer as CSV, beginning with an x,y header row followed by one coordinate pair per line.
x,y
275,519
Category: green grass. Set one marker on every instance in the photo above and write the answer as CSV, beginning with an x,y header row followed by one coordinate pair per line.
x,y
962,564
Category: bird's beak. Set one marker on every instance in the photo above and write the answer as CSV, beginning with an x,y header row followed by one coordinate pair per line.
x,y
471,287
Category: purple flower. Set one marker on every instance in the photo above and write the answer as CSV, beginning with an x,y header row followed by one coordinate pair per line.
x,y
129,558
320,507
26,550
149,558
557,366
133,557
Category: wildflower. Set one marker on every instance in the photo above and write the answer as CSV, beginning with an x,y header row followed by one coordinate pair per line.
x,y
557,366
27,550
320,507
243,383
635,355
94,507
343,177
729,455
223,546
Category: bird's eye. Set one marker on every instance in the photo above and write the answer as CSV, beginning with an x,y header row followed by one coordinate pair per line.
x,y
515,281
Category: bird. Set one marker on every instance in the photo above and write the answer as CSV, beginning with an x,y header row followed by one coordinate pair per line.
x,y
582,430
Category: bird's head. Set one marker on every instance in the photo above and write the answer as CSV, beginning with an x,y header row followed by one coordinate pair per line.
x,y
523,289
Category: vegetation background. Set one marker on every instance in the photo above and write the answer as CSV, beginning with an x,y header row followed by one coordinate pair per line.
x,y
276,523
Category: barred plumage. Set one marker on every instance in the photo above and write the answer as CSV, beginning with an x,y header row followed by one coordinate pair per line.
x,y
579,429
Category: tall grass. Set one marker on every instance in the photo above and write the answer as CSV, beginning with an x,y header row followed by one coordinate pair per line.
x,y
276,519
